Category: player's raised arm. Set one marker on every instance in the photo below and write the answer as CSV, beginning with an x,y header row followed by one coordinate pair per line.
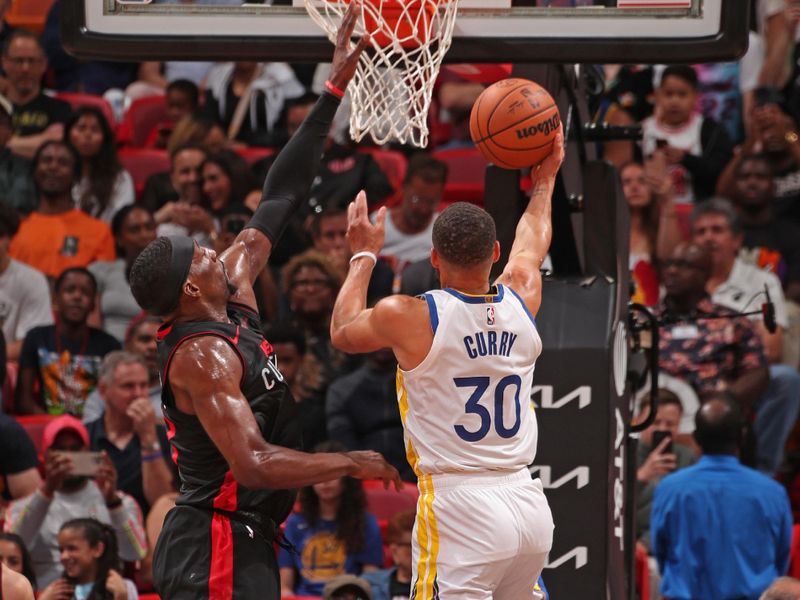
x,y
354,327
291,175
534,231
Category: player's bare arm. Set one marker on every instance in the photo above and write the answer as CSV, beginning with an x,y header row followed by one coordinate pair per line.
x,y
534,232
398,322
290,177
204,375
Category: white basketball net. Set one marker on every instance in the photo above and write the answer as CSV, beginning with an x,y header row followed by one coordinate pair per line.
x,y
392,87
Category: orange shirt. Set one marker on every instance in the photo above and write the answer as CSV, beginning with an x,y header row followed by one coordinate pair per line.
x,y
51,243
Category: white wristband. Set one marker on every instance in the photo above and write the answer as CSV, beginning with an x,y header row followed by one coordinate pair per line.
x,y
364,254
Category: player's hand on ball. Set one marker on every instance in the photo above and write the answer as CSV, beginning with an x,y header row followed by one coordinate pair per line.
x,y
372,465
550,165
362,234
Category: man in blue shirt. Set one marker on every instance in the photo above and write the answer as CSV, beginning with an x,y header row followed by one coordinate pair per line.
x,y
720,530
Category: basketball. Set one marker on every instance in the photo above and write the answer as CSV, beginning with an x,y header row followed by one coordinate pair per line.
x,y
513,123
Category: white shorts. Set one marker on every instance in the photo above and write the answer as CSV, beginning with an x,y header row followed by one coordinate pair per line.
x,y
480,537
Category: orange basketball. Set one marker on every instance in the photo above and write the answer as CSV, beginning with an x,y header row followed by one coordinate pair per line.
x,y
513,123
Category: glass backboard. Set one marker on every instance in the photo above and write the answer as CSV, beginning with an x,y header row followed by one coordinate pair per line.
x,y
516,31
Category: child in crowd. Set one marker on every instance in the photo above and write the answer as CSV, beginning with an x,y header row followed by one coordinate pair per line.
x,y
15,556
91,565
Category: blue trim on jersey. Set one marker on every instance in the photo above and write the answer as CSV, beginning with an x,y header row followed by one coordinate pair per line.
x,y
480,299
524,306
433,312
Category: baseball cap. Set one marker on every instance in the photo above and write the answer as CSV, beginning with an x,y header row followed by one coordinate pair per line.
x,y
63,423
341,584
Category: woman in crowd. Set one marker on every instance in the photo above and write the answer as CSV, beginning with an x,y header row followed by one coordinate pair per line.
x,y
333,534
91,565
105,186
653,223
15,556
133,228
227,179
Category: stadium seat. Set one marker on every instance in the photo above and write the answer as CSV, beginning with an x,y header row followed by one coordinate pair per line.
x,y
393,164
684,212
77,100
29,14
149,597
794,553
142,116
34,426
253,154
642,572
385,503
466,170
143,162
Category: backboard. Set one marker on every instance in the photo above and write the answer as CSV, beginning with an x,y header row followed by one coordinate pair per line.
x,y
489,31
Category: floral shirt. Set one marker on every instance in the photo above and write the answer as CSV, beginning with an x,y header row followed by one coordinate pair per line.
x,y
709,353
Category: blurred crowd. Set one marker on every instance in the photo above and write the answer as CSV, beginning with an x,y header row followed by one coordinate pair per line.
x,y
98,158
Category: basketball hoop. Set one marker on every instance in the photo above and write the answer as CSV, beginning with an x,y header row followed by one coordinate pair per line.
x,y
392,88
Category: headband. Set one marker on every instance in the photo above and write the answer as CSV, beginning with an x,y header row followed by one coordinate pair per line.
x,y
179,264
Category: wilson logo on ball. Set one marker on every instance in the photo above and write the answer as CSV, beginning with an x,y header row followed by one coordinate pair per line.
x,y
545,128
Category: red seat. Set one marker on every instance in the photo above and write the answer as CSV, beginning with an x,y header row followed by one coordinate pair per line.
x,y
149,597
34,426
29,14
794,553
466,172
683,212
143,162
393,164
642,570
77,100
143,115
253,154
384,504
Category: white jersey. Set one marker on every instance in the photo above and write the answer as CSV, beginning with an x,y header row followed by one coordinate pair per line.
x,y
466,407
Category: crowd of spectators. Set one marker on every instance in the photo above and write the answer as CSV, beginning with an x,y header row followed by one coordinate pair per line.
x,y
713,189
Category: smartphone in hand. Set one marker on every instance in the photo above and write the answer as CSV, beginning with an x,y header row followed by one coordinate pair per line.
x,y
658,437
84,463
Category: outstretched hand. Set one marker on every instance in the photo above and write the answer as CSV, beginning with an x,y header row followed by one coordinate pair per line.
x,y
362,234
345,57
548,168
372,465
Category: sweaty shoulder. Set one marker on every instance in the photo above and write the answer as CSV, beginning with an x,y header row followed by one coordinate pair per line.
x,y
405,321
204,360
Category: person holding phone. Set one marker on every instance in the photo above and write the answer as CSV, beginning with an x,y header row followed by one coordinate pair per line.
x,y
658,454
76,484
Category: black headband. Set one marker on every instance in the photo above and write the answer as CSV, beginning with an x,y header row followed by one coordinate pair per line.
x,y
179,264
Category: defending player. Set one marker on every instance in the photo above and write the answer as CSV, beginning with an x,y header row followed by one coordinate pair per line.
x,y
231,417
466,357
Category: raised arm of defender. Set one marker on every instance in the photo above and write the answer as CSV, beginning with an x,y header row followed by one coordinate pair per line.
x,y
291,175
534,231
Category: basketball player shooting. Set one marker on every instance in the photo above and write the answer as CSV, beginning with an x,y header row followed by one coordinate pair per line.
x,y
466,357
233,423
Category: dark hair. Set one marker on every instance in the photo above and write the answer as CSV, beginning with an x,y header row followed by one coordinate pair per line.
x,y
427,168
401,522
721,431
285,333
95,532
77,169
760,157
304,100
21,34
329,211
137,322
150,272
184,86
464,235
666,397
27,565
69,271
9,220
684,72
237,171
717,206
104,167
350,516
187,146
650,213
